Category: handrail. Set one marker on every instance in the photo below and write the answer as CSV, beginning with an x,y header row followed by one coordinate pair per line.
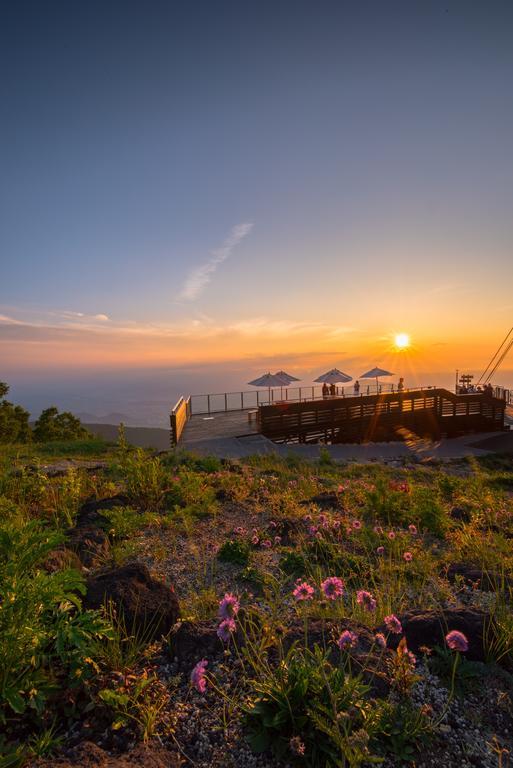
x,y
178,418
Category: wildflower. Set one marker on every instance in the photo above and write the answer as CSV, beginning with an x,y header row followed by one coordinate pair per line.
x,y
332,587
340,489
391,535
336,525
255,539
349,530
404,654
412,529
322,519
312,530
457,641
380,640
229,606
378,529
273,524
277,540
198,676
347,640
307,518
393,624
380,550
267,543
303,591
296,746
408,557
225,629
366,600
357,525
239,530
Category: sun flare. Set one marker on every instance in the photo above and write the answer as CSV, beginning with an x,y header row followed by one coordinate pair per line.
x,y
402,340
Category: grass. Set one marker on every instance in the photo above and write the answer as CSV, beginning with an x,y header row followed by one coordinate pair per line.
x,y
251,529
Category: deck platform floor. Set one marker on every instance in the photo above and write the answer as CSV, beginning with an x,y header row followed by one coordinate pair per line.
x,y
218,425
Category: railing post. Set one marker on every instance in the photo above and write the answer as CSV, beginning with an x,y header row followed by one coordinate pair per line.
x,y
242,401
208,404
225,401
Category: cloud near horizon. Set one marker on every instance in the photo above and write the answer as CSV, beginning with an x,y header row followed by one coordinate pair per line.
x,y
199,277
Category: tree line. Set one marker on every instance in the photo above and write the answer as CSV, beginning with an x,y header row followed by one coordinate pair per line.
x,y
51,425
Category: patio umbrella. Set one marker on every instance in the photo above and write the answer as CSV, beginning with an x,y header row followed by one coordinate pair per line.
x,y
270,380
286,377
375,373
334,377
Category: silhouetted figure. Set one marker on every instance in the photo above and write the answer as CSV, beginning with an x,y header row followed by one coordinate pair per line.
x,y
333,390
357,387
325,390
400,386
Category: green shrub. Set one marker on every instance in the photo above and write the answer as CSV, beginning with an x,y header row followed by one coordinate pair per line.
x,y
309,699
293,563
237,552
52,425
45,638
145,479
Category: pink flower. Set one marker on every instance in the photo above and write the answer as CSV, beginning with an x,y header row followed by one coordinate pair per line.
x,y
412,529
240,530
457,641
322,519
198,676
391,535
393,624
366,600
380,550
273,524
277,540
347,640
349,531
267,543
406,655
307,518
408,557
225,629
228,607
340,489
380,640
378,529
312,530
296,746
357,525
303,591
255,539
332,587
336,525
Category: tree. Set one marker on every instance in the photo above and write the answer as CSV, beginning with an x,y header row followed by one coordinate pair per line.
x,y
52,425
14,426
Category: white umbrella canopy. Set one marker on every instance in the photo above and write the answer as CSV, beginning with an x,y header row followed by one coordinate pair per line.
x,y
286,376
375,373
270,380
334,377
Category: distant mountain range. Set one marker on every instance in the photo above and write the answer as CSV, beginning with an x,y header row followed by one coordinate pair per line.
x,y
110,418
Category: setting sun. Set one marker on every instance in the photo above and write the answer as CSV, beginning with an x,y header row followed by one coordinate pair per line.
x,y
402,340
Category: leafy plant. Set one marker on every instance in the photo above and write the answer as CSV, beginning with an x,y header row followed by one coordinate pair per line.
x,y
236,552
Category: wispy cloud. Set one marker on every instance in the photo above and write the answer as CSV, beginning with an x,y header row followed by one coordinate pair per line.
x,y
199,277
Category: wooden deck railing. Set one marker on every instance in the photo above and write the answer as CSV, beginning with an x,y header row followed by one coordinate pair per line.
x,y
429,412
179,417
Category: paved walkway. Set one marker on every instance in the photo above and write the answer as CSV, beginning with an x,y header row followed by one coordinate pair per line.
x,y
234,448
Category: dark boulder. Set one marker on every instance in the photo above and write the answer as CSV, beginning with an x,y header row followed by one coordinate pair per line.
x,y
461,514
427,629
147,607
61,559
90,544
475,577
325,501
89,513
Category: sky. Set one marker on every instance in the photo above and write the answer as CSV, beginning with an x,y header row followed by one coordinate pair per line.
x,y
198,187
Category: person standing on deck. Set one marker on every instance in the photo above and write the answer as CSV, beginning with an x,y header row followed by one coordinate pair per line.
x,y
356,388
325,390
400,386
